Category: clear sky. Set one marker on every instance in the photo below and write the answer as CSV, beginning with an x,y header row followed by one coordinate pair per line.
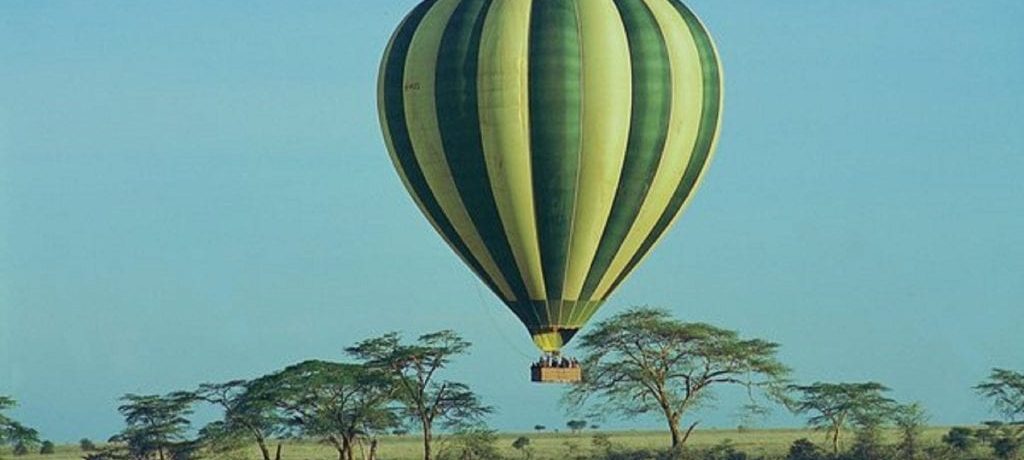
x,y
198,191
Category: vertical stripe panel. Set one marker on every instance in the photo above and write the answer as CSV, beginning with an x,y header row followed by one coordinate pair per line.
x,y
652,93
707,138
459,123
424,131
396,136
687,101
503,104
554,93
607,99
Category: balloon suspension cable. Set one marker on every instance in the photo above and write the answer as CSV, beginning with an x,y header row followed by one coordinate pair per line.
x,y
512,345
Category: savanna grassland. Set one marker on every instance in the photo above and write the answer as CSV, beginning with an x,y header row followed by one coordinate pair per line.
x,y
543,446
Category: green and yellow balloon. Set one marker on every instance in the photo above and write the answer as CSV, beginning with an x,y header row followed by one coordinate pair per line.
x,y
551,143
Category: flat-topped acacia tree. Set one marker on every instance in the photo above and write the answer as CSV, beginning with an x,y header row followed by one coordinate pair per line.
x,y
425,397
834,406
1005,389
156,426
644,361
340,403
247,415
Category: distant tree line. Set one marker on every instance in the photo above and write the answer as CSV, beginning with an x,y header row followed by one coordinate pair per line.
x,y
388,385
643,361
639,362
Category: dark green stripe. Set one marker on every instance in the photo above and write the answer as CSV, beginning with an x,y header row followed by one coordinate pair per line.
x,y
649,124
458,118
555,98
394,112
705,136
563,306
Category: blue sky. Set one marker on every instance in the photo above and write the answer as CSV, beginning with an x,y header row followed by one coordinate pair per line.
x,y
198,192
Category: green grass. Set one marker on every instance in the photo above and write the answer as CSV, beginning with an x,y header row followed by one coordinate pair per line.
x,y
544,445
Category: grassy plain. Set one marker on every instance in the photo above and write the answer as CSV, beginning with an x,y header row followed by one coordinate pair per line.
x,y
553,446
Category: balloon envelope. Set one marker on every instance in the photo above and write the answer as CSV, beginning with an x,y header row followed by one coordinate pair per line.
x,y
551,143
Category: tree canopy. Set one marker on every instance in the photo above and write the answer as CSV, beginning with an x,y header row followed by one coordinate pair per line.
x,y
155,426
1004,388
11,431
337,402
426,398
833,406
643,361
246,416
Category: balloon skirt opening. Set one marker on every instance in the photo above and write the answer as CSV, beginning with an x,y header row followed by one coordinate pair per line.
x,y
552,340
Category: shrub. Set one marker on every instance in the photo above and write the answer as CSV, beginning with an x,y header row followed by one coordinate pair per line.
x,y
1006,447
521,443
1005,440
960,438
804,449
86,445
46,448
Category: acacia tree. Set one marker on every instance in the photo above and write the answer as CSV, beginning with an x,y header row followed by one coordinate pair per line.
x,y
246,416
833,406
13,432
425,397
1005,389
910,420
340,403
156,426
644,361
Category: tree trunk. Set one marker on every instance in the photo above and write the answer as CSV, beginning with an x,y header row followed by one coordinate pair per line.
x,y
835,440
277,456
346,443
339,446
373,450
427,438
672,417
673,427
263,448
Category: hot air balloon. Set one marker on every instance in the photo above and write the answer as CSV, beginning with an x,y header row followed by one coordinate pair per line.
x,y
551,143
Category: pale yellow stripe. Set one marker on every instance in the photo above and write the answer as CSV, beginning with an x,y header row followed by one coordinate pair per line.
x,y
684,123
421,118
504,126
389,142
607,98
718,124
711,153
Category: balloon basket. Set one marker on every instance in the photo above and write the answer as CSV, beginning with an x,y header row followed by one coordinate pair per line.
x,y
556,371
556,375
